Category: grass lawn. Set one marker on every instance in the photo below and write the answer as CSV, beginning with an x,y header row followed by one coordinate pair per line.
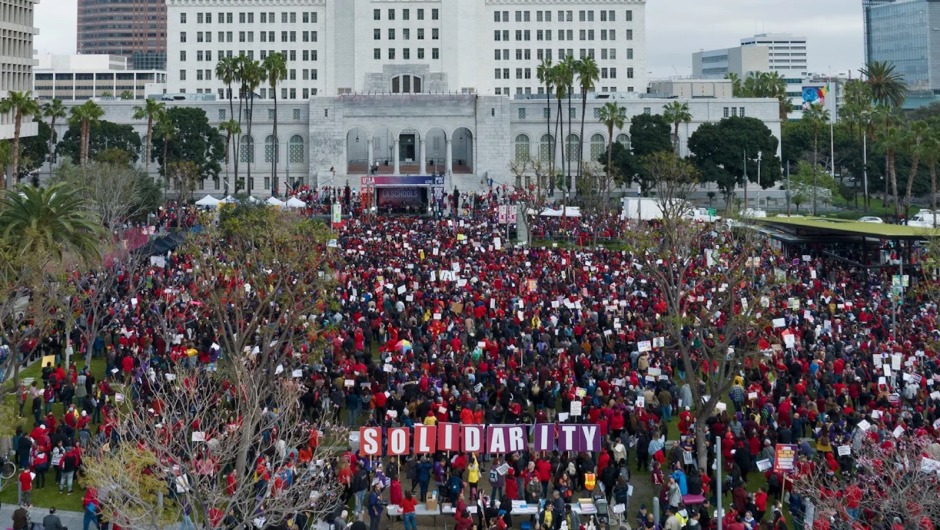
x,y
48,496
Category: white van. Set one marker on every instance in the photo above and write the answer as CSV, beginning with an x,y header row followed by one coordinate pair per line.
x,y
925,219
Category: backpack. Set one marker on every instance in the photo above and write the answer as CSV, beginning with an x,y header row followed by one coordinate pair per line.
x,y
494,476
454,484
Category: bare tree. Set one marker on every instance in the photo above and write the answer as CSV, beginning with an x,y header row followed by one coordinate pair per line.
x,y
597,206
221,432
714,281
112,190
895,478
519,168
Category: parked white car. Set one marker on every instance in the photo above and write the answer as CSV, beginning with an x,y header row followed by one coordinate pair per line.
x,y
871,219
754,213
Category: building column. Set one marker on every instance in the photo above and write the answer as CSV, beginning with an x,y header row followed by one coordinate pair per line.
x,y
422,157
396,158
371,158
449,157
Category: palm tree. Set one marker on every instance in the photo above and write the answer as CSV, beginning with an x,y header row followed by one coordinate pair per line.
x,y
275,68
231,129
676,113
817,117
150,110
167,130
930,154
54,110
915,136
567,78
85,115
887,86
49,221
613,116
891,139
561,89
22,105
588,74
250,74
544,73
225,71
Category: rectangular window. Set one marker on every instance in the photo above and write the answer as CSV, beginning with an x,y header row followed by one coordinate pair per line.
x,y
613,34
271,19
228,18
251,18
406,34
182,36
581,16
293,18
435,14
518,16
376,34
435,53
629,73
241,18
421,14
313,74
406,54
741,112
292,74
613,73
182,18
391,14
518,35
420,53
283,36
612,15
251,36
376,14
435,35
538,16
629,53
198,18
629,34
391,34
497,35
305,36
548,16
525,16
420,33
313,55
182,75
293,36
406,14
613,54
603,15
377,53
221,36
629,15
391,53
306,93
498,73
305,17
590,16
182,56
199,56
284,17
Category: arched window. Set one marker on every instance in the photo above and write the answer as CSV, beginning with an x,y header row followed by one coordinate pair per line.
x,y
295,153
246,151
522,148
271,150
597,147
571,153
406,84
546,148
624,140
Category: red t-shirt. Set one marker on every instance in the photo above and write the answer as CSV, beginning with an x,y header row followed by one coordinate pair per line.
x,y
26,481
408,505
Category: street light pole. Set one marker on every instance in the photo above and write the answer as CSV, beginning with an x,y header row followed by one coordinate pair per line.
x,y
758,179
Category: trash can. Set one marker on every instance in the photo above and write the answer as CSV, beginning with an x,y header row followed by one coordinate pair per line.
x,y
603,513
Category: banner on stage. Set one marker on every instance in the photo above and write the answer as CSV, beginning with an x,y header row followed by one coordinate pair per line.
x,y
492,439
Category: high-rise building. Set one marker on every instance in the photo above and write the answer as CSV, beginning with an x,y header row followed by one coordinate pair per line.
x,y
786,52
904,33
427,46
81,77
16,58
740,61
135,29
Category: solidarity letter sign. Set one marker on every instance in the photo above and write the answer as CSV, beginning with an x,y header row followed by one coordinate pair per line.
x,y
493,439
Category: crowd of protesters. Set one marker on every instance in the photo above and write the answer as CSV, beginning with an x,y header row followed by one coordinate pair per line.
x,y
503,334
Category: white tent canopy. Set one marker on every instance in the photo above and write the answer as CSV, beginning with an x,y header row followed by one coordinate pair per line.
x,y
567,211
274,201
208,201
294,202
228,200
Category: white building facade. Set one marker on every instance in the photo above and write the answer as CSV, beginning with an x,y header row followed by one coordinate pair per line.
x,y
468,139
16,58
82,77
787,52
336,47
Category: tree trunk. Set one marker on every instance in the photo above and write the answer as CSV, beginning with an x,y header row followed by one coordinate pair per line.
x,y
915,162
568,184
815,168
17,123
149,140
559,130
250,146
548,130
581,137
228,144
610,149
894,183
277,146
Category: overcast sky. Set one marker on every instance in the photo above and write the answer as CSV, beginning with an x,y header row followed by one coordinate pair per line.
x,y
675,29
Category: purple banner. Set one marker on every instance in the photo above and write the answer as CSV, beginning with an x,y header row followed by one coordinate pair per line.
x,y
579,437
502,439
544,437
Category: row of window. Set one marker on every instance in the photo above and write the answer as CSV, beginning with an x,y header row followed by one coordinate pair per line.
x,y
295,149
405,34
291,55
306,74
405,53
526,54
505,91
264,36
598,145
605,15
526,73
249,18
563,34
405,14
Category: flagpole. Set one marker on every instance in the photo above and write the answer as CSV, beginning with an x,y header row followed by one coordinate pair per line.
x,y
832,119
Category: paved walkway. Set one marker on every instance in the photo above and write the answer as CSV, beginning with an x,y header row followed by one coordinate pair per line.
x,y
73,520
